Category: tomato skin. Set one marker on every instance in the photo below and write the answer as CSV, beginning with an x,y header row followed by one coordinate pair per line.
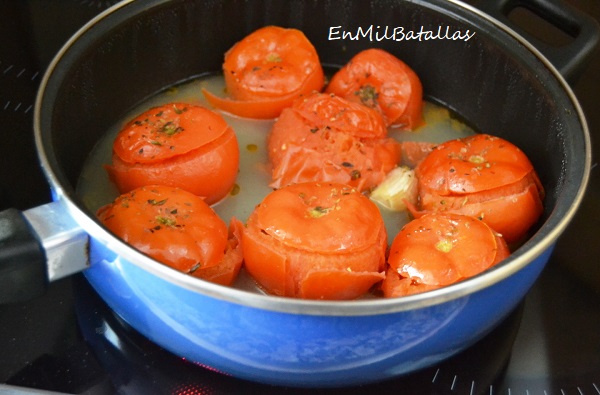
x,y
266,71
439,249
226,271
483,176
257,109
202,157
326,138
379,80
317,241
177,228
327,111
414,152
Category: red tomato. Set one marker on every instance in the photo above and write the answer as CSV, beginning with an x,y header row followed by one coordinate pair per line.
x,y
440,249
379,80
179,145
315,241
323,137
179,229
266,71
485,177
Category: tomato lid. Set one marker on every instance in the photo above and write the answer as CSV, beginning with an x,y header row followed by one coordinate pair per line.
x,y
270,62
439,249
472,164
167,131
324,110
323,217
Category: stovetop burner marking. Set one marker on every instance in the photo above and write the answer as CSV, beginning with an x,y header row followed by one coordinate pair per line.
x,y
20,73
98,4
453,383
435,375
16,107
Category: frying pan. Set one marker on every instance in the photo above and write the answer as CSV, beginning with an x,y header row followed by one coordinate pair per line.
x,y
496,80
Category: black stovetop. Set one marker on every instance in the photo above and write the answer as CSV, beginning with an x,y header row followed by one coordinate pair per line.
x,y
68,341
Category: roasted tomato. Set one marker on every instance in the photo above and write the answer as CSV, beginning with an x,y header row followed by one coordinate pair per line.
x,y
440,249
381,81
483,176
323,137
266,71
316,241
179,145
179,229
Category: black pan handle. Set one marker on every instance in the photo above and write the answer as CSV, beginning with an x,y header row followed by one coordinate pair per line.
x,y
38,246
570,59
22,259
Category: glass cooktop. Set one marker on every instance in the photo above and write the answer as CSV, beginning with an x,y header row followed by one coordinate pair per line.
x,y
68,341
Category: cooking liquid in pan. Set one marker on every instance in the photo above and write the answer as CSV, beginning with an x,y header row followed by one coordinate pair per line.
x,y
252,183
